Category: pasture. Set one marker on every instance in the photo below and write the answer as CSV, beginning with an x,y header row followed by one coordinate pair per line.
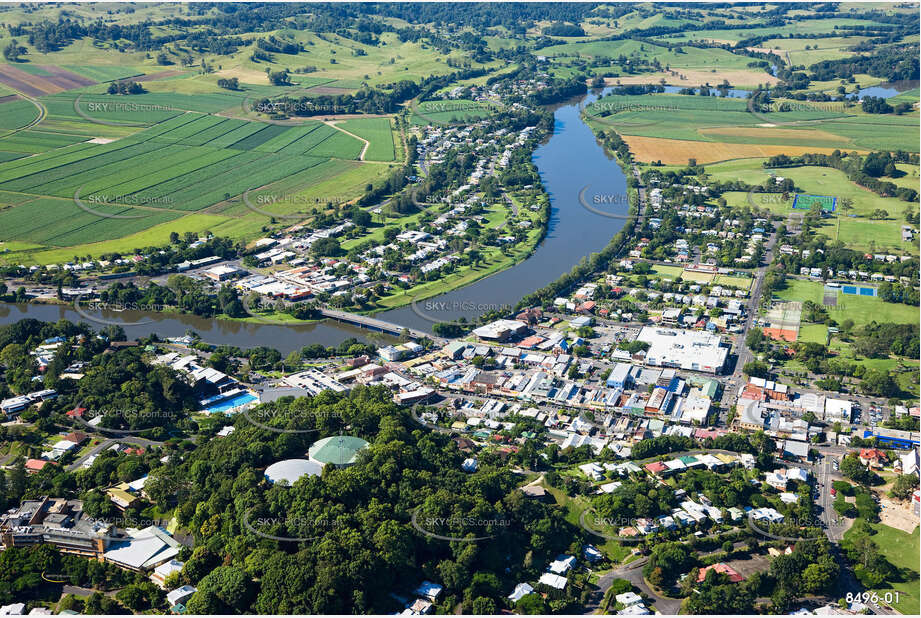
x,y
450,111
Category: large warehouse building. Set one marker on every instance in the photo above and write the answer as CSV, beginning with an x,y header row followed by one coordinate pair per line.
x,y
684,349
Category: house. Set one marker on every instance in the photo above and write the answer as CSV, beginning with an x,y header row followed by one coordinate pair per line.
x,y
501,330
554,581
591,553
521,590
873,458
143,550
469,465
776,479
180,595
36,465
166,569
796,450
562,564
429,590
909,462
719,567
628,598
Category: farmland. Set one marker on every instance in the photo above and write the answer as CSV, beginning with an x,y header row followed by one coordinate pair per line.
x,y
16,113
185,160
378,132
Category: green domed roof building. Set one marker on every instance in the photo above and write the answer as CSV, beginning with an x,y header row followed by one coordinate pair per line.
x,y
340,451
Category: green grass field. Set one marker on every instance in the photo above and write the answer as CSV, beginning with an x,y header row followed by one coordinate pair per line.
x,y
900,549
450,111
379,135
861,309
17,113
856,232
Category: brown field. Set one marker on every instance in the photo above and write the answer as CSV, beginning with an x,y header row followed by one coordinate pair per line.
x,y
36,86
692,77
677,152
246,76
789,135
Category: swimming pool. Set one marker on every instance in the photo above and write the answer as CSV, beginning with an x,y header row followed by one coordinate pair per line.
x,y
229,405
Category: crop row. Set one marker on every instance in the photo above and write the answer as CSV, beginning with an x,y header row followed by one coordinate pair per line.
x,y
251,142
308,141
379,135
138,167
340,145
16,114
46,160
192,128
237,134
218,130
174,186
258,173
36,141
29,176
51,220
10,156
291,135
158,173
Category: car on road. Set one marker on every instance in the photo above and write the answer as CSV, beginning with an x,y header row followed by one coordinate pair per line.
x,y
833,492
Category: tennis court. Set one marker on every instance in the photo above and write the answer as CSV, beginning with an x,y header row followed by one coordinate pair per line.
x,y
783,321
853,290
802,201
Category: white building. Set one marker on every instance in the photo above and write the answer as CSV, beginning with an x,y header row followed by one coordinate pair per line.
x,y
689,350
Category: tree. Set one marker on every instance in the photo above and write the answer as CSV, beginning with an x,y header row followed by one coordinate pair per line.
x,y
280,78
13,51
229,84
226,590
879,384
903,486
756,369
325,247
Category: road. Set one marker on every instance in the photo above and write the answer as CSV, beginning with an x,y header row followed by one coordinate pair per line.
x,y
633,573
108,442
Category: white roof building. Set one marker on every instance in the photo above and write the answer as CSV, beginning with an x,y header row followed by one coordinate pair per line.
x,y
144,549
554,581
521,590
180,595
689,350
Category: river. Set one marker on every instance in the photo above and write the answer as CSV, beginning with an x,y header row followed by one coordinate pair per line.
x,y
568,162
571,162
230,332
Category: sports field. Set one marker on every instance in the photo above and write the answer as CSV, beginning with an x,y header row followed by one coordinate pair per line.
x,y
807,202
860,309
852,225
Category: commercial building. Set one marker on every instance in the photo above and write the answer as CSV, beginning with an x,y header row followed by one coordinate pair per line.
x,y
501,330
688,350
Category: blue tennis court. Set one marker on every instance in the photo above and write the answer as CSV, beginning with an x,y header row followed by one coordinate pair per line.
x,y
853,290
